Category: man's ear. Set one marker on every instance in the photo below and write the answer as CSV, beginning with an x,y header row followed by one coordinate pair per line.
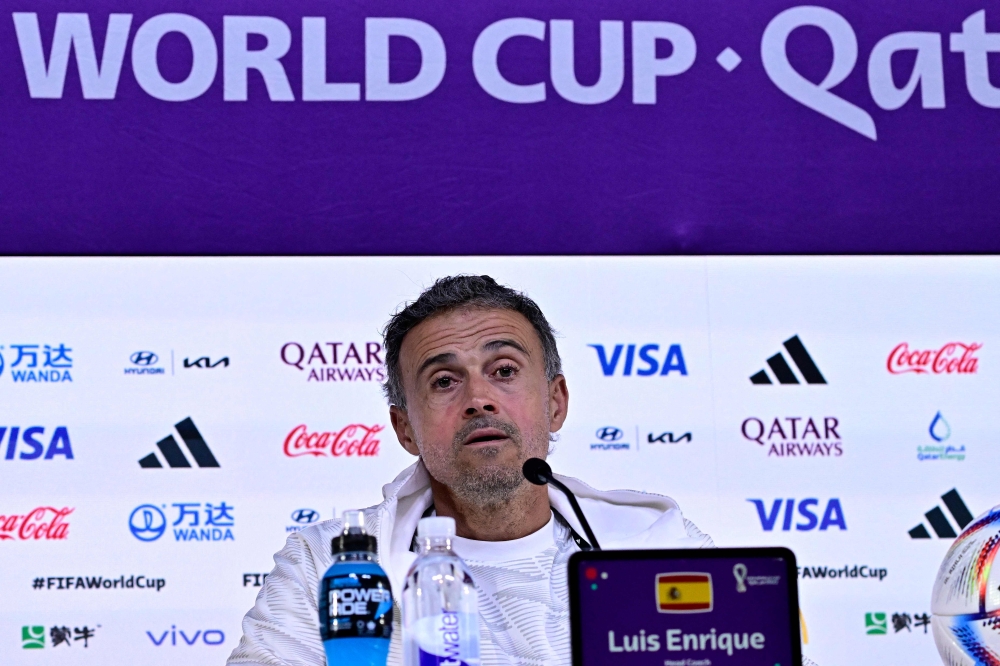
x,y
558,403
404,432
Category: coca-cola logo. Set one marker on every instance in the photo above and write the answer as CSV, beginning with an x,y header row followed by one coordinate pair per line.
x,y
352,440
951,358
44,522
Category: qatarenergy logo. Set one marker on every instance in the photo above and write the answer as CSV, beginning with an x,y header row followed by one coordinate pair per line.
x,y
123,582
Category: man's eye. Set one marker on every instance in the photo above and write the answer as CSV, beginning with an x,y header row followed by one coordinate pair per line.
x,y
442,382
506,372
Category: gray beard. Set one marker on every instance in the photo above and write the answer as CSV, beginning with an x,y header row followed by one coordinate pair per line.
x,y
491,486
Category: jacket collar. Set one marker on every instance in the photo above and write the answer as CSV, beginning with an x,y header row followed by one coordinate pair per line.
x,y
620,518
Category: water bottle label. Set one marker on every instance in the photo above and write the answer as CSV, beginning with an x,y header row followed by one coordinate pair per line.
x,y
448,639
428,659
357,606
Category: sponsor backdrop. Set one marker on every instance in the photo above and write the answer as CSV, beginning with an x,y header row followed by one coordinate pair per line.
x,y
311,127
167,423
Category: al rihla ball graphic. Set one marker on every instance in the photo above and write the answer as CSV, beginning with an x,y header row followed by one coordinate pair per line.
x,y
965,603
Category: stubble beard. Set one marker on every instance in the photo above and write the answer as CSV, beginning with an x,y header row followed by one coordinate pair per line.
x,y
489,483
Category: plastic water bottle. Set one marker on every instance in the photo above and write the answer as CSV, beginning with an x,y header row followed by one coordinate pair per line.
x,y
355,600
440,606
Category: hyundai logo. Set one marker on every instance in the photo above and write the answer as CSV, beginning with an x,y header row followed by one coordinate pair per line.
x,y
143,358
609,434
147,523
305,516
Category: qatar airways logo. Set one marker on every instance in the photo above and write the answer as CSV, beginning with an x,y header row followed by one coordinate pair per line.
x,y
795,436
336,361
227,47
352,440
44,522
953,358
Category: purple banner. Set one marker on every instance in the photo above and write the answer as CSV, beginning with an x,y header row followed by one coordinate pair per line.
x,y
319,127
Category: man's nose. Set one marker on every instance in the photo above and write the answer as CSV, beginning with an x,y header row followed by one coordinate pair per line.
x,y
480,401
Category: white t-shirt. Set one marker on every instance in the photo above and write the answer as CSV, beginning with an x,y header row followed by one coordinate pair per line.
x,y
523,596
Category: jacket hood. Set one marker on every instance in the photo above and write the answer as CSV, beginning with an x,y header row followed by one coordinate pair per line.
x,y
620,519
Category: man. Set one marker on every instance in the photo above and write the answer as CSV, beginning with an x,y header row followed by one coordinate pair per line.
x,y
475,388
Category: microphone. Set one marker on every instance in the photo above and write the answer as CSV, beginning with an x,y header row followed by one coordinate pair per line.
x,y
538,472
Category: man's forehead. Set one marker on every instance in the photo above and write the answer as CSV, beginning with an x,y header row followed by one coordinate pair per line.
x,y
466,329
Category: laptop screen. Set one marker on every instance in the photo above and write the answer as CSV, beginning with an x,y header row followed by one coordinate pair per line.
x,y
727,606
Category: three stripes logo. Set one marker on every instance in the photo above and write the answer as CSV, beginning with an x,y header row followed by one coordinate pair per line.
x,y
173,454
939,522
783,372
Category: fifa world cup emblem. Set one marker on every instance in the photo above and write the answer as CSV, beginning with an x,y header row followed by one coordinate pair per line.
x,y
740,573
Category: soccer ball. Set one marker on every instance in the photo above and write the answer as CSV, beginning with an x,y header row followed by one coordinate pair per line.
x,y
966,600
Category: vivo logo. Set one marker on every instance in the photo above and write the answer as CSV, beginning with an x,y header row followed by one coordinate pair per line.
x,y
206,636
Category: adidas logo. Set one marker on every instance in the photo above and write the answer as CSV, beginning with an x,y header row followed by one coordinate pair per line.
x,y
783,372
172,452
939,523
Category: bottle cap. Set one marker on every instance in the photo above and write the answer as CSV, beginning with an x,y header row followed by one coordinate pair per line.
x,y
354,520
436,526
354,538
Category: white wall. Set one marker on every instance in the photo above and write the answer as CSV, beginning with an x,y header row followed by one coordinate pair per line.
x,y
727,314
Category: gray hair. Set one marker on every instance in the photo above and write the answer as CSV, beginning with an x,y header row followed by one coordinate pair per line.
x,y
451,293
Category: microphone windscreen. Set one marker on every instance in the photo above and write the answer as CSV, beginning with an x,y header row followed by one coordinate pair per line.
x,y
537,471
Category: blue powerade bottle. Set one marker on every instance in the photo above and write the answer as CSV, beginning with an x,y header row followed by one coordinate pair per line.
x,y
355,600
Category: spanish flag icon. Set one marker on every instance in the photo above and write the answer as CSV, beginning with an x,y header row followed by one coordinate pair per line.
x,y
684,592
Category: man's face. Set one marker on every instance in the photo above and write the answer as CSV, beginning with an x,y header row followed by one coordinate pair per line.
x,y
478,403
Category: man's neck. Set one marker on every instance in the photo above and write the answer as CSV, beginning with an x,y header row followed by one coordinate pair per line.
x,y
525,513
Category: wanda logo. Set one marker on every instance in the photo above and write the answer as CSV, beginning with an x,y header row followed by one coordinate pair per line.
x,y
45,522
952,358
352,440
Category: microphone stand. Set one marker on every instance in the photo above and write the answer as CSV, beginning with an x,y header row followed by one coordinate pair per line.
x,y
537,471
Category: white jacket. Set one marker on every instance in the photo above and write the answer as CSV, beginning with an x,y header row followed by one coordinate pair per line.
x,y
282,629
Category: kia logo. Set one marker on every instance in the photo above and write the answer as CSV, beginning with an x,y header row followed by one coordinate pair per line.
x,y
143,358
609,434
147,523
305,516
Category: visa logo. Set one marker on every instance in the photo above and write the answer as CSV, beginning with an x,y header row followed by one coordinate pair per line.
x,y
833,514
645,365
32,448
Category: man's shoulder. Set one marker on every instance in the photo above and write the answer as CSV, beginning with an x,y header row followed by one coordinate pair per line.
x,y
636,519
315,539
